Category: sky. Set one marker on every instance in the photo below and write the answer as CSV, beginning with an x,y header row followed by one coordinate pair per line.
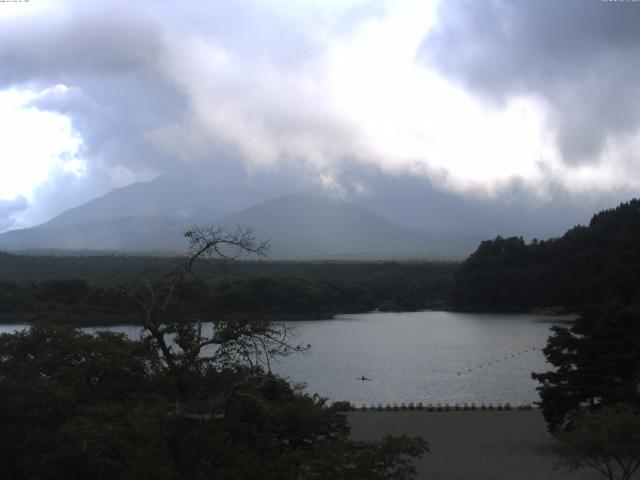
x,y
477,100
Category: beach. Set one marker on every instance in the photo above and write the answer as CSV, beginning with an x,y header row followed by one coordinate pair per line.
x,y
473,445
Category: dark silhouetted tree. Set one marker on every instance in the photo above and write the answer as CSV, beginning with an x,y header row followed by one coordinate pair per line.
x,y
597,364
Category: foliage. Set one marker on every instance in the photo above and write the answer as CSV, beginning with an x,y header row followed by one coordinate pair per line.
x,y
286,290
389,458
285,296
607,440
179,403
597,364
101,406
597,263
75,405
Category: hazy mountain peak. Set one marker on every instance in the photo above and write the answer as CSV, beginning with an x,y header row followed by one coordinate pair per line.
x,y
162,196
152,215
304,225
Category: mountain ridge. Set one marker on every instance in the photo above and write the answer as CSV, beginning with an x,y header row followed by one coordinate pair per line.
x,y
300,226
137,199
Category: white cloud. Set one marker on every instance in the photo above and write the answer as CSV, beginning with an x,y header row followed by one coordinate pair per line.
x,y
363,95
411,119
34,144
329,86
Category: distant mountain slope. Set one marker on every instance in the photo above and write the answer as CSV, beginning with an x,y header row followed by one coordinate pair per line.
x,y
128,233
165,196
151,216
304,226
299,227
175,196
596,263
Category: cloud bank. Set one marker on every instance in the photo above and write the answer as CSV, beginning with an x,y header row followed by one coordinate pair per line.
x,y
475,97
580,59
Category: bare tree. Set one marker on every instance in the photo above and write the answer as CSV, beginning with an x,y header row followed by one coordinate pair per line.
x,y
181,341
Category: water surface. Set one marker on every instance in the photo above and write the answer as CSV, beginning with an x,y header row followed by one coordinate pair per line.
x,y
423,357
427,357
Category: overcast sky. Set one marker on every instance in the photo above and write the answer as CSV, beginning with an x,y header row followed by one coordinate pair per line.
x,y
475,97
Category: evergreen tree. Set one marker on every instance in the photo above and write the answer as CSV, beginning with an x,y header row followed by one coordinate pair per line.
x,y
597,364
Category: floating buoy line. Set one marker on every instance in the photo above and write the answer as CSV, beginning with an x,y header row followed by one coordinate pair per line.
x,y
497,361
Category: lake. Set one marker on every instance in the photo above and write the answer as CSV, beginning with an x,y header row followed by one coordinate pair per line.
x,y
428,357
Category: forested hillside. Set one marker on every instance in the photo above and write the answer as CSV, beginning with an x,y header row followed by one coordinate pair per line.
x,y
596,263
87,287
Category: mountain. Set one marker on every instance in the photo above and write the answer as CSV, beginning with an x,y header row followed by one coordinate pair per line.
x,y
298,226
174,197
125,234
403,200
302,226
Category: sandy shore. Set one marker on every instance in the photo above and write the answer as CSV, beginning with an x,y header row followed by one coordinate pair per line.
x,y
478,445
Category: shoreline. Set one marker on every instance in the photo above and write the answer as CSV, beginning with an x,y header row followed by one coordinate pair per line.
x,y
115,319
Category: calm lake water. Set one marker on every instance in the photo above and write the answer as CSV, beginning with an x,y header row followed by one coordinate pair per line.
x,y
426,357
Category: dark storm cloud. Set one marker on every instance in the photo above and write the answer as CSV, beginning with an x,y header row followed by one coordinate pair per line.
x,y
106,65
153,87
142,88
99,68
45,49
136,77
582,57
112,115
419,203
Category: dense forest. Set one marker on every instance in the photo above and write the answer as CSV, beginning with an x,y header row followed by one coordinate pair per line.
x,y
89,287
588,264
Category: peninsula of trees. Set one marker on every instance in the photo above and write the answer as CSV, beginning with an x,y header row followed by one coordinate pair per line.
x,y
588,264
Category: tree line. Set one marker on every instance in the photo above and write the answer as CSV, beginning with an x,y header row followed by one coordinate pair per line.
x,y
293,298
591,398
589,264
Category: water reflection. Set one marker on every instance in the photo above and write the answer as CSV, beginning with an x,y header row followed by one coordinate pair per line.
x,y
427,357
